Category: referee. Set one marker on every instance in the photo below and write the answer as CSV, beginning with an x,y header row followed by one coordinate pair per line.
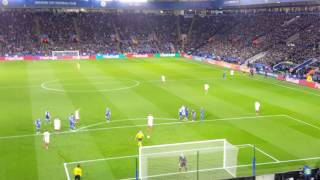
x,y
139,138
77,171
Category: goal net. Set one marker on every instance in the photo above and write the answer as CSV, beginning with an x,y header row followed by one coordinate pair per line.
x,y
63,54
213,159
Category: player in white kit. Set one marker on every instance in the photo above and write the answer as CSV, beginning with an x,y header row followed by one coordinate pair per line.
x,y
206,88
77,115
46,139
163,79
257,107
57,124
232,72
150,125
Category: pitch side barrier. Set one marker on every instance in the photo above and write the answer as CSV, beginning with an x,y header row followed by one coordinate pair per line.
x,y
158,55
90,57
281,176
236,67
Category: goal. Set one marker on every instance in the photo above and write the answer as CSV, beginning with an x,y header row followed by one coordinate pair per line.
x,y
63,54
213,159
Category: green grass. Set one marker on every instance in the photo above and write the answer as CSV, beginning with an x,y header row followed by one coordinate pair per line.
x,y
292,135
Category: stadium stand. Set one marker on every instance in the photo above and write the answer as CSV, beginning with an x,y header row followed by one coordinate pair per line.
x,y
233,37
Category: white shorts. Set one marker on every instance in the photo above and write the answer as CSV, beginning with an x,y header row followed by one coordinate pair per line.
x,y
150,124
257,109
57,127
46,140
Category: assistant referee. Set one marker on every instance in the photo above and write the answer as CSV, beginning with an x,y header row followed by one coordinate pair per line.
x,y
77,171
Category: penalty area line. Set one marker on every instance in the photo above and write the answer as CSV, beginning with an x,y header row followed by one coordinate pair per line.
x,y
303,122
132,156
145,125
123,120
136,156
265,153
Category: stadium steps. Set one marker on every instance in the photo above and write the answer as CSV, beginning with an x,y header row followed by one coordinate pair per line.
x,y
179,30
293,38
117,36
223,29
190,29
37,23
76,27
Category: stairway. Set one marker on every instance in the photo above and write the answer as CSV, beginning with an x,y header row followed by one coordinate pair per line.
x,y
39,34
117,36
179,31
76,27
154,36
38,31
223,29
190,29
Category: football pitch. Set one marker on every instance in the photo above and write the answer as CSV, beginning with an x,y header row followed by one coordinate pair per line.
x,y
286,133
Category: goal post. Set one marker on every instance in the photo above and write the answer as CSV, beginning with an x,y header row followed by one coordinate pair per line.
x,y
204,160
63,54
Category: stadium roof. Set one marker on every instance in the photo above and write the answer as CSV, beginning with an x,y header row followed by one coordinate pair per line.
x,y
144,4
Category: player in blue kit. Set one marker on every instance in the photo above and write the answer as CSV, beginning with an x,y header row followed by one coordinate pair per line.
x,y
108,115
193,114
180,114
187,113
72,122
224,75
38,125
47,117
201,114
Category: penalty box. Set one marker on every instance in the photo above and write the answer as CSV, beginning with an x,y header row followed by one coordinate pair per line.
x,y
124,167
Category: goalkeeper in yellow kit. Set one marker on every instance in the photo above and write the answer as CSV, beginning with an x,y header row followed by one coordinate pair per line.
x,y
139,138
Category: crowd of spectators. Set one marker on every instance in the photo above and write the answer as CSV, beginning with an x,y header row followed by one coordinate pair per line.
x,y
290,37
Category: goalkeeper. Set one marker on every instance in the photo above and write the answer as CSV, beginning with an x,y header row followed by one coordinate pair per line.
x,y
182,162
139,138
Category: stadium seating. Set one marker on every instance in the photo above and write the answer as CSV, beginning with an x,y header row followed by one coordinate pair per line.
x,y
232,37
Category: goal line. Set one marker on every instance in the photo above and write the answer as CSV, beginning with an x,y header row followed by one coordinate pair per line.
x,y
271,160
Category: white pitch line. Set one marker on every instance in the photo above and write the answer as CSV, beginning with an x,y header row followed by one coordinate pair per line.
x,y
144,125
113,121
285,86
171,123
66,170
94,83
131,156
303,122
182,79
124,120
43,86
267,82
237,166
101,159
265,153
